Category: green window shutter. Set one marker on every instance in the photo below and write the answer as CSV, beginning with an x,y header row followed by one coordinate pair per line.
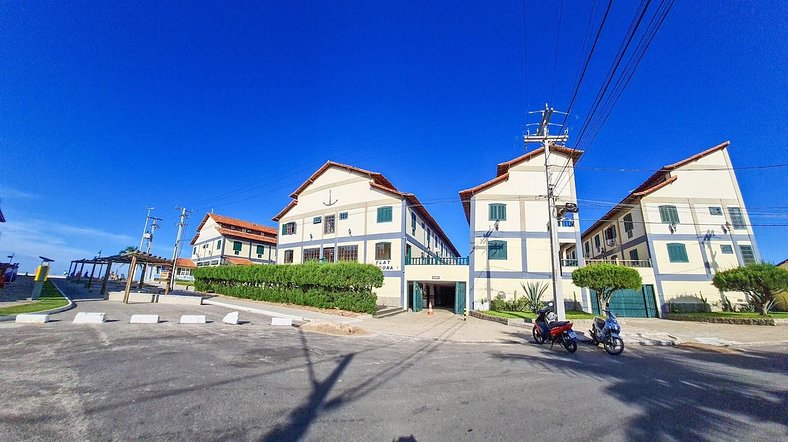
x,y
497,250
747,254
497,212
384,214
260,250
669,214
284,229
737,218
677,252
236,245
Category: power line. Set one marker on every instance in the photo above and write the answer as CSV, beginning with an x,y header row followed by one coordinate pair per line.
x,y
557,44
694,169
648,36
585,65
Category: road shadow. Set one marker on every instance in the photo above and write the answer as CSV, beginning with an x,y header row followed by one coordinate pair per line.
x,y
300,419
676,399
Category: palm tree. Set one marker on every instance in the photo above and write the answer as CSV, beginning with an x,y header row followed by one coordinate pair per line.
x,y
128,249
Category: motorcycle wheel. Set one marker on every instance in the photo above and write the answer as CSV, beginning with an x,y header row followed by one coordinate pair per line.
x,y
614,346
570,345
537,336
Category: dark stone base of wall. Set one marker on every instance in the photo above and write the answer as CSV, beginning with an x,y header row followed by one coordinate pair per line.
x,y
737,321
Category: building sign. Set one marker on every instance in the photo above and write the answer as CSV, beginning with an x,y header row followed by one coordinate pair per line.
x,y
384,264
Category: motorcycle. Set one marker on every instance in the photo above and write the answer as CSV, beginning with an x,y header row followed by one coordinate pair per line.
x,y
547,329
606,331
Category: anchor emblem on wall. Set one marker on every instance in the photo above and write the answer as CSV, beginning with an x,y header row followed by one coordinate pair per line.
x,y
330,203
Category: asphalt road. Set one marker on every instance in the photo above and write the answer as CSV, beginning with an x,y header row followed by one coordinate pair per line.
x,y
167,381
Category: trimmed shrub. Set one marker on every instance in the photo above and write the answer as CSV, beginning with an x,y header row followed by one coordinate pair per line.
x,y
342,285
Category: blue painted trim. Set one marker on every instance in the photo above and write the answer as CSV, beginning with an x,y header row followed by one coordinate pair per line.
x,y
333,241
471,254
685,277
694,237
501,274
403,293
524,254
502,234
394,274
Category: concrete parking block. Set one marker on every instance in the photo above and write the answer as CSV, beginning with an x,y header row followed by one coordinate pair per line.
x,y
31,318
282,321
193,319
144,319
89,318
231,318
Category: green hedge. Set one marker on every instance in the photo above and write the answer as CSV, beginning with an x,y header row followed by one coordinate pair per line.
x,y
343,285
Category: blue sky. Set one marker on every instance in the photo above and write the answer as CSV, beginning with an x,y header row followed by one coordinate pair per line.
x,y
108,108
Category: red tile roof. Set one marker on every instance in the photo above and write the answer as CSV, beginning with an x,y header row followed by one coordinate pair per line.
x,y
268,234
238,261
656,181
185,263
378,182
246,235
574,154
503,173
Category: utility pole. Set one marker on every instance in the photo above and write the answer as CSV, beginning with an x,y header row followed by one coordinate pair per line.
x,y
181,224
149,236
145,229
543,136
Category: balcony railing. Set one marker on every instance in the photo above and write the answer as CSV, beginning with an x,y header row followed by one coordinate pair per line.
x,y
569,263
622,262
436,261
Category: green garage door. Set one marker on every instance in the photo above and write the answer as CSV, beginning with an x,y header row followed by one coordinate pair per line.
x,y
629,303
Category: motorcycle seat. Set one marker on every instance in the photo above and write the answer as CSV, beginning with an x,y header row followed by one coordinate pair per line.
x,y
558,324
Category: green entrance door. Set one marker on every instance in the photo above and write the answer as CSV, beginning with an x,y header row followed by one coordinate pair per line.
x,y
459,298
629,303
418,304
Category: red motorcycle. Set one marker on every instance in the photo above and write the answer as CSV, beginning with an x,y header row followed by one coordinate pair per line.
x,y
546,330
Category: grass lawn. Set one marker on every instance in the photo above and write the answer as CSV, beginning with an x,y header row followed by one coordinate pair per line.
x,y
778,315
50,298
571,314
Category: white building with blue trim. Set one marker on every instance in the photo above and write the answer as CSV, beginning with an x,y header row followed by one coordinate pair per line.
x,y
509,227
344,213
682,225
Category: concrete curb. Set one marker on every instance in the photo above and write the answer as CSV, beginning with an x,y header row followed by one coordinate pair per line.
x,y
254,310
51,311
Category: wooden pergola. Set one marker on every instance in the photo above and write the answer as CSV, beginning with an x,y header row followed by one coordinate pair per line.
x,y
130,258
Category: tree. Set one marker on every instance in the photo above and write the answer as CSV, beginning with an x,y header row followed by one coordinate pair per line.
x,y
760,282
128,249
606,278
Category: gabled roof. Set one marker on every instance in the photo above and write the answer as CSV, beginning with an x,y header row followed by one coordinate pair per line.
x,y
185,263
374,176
226,223
379,182
238,261
659,179
503,173
246,235
574,154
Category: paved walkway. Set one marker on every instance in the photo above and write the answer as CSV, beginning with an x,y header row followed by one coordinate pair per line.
x,y
446,326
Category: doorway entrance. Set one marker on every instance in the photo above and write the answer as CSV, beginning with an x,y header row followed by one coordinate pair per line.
x,y
448,295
